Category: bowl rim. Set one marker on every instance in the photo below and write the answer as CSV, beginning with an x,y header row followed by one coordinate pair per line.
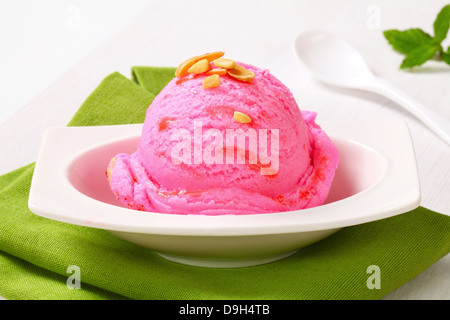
x,y
397,191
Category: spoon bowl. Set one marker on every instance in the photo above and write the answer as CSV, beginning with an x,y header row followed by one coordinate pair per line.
x,y
333,61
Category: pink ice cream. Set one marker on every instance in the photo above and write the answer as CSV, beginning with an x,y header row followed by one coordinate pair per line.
x,y
188,161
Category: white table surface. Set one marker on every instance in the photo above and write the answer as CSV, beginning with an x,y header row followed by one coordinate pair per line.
x,y
54,54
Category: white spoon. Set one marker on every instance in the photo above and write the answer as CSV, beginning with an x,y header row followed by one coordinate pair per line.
x,y
334,61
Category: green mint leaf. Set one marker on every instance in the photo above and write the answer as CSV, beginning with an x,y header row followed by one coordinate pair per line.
x,y
442,24
446,56
420,55
408,40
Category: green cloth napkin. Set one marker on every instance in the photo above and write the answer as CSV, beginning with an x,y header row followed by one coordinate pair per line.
x,y
35,252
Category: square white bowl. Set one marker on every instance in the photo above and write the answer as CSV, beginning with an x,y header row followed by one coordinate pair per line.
x,y
376,179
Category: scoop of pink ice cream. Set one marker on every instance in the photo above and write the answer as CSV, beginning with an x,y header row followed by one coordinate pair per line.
x,y
238,148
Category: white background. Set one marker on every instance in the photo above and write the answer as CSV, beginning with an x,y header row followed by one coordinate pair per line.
x,y
41,40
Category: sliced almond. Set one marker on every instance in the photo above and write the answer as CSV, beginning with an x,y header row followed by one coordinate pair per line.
x,y
200,66
242,74
219,71
225,63
211,81
183,68
110,168
241,117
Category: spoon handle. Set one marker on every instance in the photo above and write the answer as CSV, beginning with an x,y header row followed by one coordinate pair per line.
x,y
436,122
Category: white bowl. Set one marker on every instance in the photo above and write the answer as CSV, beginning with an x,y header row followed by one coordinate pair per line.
x,y
376,178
